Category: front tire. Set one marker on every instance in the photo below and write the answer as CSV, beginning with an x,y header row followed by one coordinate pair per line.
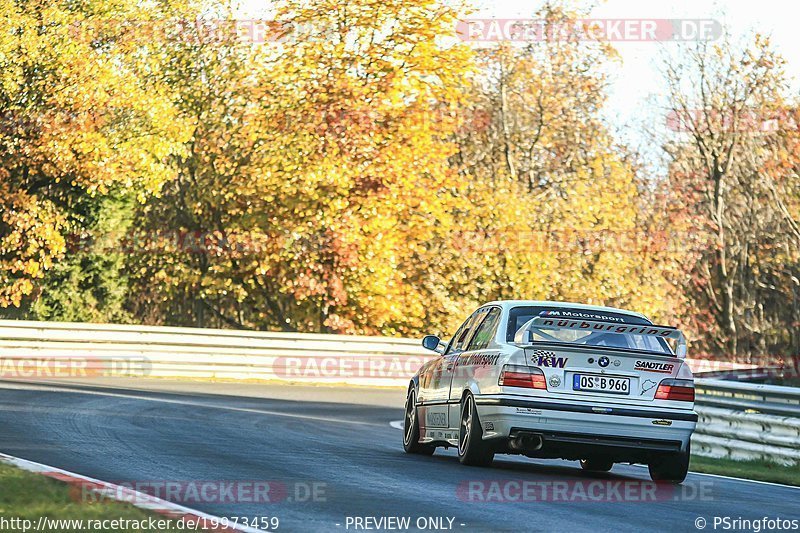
x,y
411,428
472,449
671,468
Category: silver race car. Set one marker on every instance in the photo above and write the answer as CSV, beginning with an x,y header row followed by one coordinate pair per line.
x,y
556,380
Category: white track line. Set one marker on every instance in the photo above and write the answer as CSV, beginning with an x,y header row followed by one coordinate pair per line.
x,y
123,494
737,479
189,403
396,424
747,480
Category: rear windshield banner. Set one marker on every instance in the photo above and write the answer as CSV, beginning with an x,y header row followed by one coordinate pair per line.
x,y
576,315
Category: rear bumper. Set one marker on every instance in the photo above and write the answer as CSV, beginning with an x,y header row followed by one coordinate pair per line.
x,y
576,430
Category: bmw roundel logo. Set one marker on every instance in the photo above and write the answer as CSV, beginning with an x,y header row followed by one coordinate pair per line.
x,y
603,361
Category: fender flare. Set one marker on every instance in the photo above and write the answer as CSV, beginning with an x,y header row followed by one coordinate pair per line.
x,y
473,388
414,383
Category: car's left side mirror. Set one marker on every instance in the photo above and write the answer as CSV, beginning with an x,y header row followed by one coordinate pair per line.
x,y
432,342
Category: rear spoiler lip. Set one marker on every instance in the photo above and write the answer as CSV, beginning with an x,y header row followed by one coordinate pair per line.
x,y
570,346
670,332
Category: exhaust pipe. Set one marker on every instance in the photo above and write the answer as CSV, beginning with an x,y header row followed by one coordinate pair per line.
x,y
526,443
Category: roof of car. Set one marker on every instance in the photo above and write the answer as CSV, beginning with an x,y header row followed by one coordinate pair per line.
x,y
571,305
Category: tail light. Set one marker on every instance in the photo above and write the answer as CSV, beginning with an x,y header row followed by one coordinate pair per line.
x,y
522,376
681,390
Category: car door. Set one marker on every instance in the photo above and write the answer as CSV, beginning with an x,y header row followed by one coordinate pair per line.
x,y
434,390
477,362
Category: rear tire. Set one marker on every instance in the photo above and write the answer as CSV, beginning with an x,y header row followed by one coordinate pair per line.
x,y
596,465
411,428
670,468
472,449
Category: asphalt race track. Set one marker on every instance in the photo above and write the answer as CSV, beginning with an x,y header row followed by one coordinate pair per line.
x,y
339,443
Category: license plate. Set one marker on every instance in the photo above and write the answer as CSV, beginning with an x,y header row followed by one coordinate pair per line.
x,y
594,383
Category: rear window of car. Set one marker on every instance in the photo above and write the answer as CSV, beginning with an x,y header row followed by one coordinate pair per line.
x,y
518,316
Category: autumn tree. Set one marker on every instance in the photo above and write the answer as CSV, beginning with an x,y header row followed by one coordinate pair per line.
x,y
191,241
554,199
329,146
734,172
75,122
371,93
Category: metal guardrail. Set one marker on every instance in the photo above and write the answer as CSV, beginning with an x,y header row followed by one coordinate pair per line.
x,y
766,399
747,421
154,351
748,373
737,420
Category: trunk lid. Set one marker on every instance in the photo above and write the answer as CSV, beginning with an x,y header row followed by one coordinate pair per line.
x,y
595,373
